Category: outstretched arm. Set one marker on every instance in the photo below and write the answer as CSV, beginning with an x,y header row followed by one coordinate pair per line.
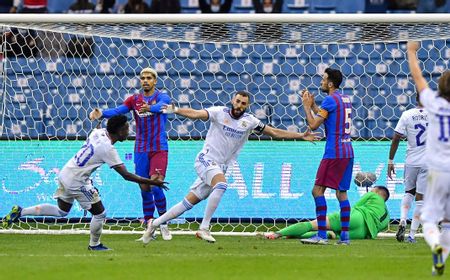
x,y
122,170
284,134
186,112
414,67
98,113
392,151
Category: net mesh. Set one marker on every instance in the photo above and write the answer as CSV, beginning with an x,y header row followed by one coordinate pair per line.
x,y
53,75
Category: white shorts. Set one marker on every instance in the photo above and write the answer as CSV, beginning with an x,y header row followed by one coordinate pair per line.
x,y
206,170
85,195
436,205
415,178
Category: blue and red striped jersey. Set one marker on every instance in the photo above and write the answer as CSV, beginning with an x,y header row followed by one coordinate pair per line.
x,y
336,109
151,133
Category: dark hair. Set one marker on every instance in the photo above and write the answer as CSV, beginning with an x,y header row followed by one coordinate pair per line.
x,y
243,93
385,190
116,123
444,85
334,76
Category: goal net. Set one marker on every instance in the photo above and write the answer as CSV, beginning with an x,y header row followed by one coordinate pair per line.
x,y
55,70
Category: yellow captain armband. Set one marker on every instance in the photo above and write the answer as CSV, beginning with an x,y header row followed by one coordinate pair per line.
x,y
323,113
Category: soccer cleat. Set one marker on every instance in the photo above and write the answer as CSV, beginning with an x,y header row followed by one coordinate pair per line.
x,y
99,247
149,232
316,240
343,242
410,240
165,233
12,217
205,235
438,261
271,235
400,235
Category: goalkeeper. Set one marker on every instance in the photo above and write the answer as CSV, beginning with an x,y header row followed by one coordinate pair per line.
x,y
367,217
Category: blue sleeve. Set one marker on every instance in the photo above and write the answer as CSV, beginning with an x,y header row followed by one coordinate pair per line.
x,y
164,100
122,109
328,104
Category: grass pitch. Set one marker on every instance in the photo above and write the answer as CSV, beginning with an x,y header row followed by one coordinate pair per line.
x,y
66,257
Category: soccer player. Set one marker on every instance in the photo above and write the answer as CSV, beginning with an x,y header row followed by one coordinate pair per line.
x,y
436,206
74,182
412,125
229,130
151,147
335,170
369,216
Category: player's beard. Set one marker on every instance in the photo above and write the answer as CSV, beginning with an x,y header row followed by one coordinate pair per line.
x,y
237,114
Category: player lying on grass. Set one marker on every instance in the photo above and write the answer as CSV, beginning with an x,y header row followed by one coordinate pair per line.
x,y
229,130
75,184
368,217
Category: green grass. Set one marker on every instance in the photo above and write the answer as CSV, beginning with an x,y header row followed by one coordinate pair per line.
x,y
66,257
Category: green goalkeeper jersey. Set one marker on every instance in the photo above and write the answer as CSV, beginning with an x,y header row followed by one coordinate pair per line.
x,y
374,211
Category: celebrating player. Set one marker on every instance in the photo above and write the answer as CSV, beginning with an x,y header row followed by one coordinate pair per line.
x,y
75,184
412,125
436,206
369,216
335,170
151,148
227,134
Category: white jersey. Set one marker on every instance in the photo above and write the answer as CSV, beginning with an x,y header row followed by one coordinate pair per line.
x,y
227,135
437,154
413,125
97,150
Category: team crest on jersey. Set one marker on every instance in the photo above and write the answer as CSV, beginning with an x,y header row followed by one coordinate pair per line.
x,y
226,121
244,124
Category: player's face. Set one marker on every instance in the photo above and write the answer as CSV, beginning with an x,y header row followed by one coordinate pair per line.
x,y
148,82
324,84
124,131
240,104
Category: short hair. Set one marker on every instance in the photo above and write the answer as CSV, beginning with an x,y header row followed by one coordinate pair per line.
x,y
149,70
444,85
116,123
388,194
335,76
243,93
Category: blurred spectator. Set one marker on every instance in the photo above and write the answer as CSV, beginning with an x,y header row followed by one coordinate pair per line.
x,y
19,43
432,6
135,7
80,46
268,6
29,6
82,7
165,7
5,6
105,6
403,4
376,6
215,6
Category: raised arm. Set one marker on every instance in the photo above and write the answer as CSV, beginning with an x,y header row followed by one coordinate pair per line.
x,y
414,67
277,133
310,106
392,151
122,170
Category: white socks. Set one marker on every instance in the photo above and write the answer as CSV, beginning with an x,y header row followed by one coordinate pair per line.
x,y
405,206
445,239
213,201
173,212
431,234
415,223
43,210
96,228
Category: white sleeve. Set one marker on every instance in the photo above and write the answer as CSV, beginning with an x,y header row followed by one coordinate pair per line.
x,y
427,98
213,112
111,157
400,128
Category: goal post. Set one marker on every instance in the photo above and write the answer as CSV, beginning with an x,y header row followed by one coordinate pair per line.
x,y
56,68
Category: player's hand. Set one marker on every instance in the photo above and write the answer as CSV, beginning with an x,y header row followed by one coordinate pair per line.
x,y
390,170
161,184
144,108
95,114
307,99
169,109
310,136
413,46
